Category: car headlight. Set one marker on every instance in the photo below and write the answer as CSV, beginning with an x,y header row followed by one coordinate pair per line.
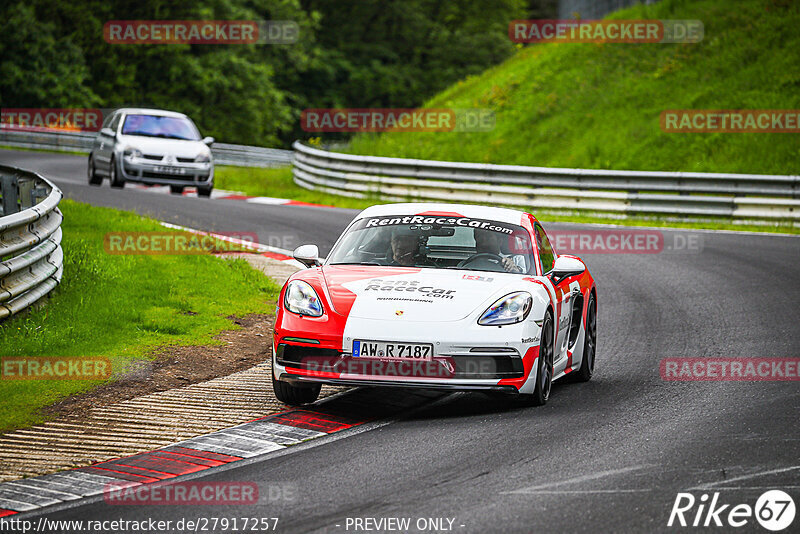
x,y
510,309
203,158
130,151
300,298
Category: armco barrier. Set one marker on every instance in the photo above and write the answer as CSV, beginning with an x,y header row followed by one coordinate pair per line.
x,y
31,258
689,194
81,142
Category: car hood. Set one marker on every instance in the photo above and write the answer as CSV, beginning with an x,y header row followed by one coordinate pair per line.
x,y
412,294
159,145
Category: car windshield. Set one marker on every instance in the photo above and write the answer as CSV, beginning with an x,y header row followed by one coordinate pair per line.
x,y
439,242
159,126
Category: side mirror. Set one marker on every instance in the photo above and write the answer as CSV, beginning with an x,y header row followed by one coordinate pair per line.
x,y
208,140
566,266
109,132
308,255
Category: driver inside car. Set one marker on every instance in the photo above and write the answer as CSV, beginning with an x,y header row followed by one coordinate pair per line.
x,y
488,242
405,249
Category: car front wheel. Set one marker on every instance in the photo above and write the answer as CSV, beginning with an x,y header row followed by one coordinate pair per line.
x,y
586,370
117,182
94,178
295,395
544,363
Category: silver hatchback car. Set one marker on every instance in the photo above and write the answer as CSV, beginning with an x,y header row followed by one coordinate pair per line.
x,y
153,147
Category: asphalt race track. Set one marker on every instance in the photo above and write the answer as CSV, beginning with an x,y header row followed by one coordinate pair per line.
x,y
607,456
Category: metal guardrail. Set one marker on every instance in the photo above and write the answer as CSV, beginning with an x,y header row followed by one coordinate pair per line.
x,y
81,142
250,156
31,258
690,194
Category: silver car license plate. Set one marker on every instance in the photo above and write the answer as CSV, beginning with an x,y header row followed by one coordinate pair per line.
x,y
170,170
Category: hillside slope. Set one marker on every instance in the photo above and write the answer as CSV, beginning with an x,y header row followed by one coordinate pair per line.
x,y
598,105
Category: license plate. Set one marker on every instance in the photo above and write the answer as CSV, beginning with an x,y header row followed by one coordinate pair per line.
x,y
170,170
388,350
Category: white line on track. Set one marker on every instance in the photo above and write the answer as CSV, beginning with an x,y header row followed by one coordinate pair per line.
x,y
757,488
582,478
710,485
582,492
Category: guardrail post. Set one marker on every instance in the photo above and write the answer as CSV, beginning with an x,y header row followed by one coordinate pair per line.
x,y
25,194
10,195
37,193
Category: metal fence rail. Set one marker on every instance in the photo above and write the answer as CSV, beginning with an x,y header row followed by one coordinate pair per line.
x,y
690,194
250,156
81,142
31,258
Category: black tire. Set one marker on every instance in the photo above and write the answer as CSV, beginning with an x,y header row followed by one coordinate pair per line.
x,y
94,179
176,189
295,395
544,372
205,191
586,370
116,181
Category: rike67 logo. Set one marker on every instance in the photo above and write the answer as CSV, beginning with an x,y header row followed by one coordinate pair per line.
x,y
774,510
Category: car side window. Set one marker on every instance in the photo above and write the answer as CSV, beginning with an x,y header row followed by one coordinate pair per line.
x,y
108,119
115,122
546,254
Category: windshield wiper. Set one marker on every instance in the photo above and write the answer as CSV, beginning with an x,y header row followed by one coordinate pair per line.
x,y
162,136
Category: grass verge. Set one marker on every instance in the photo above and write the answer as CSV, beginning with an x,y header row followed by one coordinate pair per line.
x,y
598,106
122,306
277,183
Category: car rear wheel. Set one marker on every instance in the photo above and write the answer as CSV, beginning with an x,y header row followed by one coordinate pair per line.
x,y
94,179
544,370
204,191
176,189
586,370
116,181
295,395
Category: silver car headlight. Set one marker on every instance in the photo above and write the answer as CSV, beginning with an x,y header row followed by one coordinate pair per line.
x,y
132,152
300,298
203,158
512,308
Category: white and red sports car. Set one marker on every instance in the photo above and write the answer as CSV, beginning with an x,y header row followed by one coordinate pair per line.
x,y
436,296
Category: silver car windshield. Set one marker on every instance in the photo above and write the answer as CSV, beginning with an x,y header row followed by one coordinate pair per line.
x,y
160,126
439,242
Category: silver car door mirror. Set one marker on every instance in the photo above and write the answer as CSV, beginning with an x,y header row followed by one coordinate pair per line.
x,y
308,255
